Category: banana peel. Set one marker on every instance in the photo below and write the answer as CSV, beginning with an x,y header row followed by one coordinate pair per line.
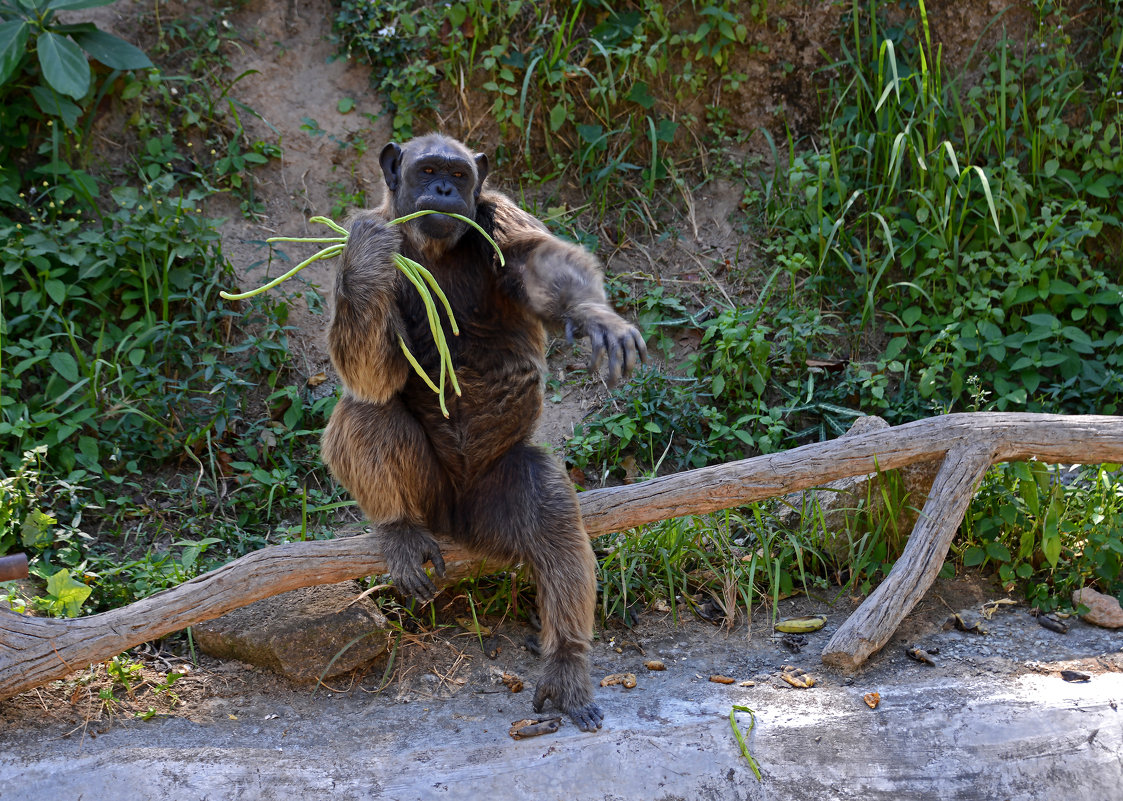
x,y
801,625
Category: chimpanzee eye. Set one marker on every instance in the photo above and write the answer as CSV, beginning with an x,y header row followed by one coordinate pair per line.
x,y
427,170
458,174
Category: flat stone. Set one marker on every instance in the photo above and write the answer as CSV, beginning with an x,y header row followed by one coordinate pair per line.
x,y
1103,610
299,633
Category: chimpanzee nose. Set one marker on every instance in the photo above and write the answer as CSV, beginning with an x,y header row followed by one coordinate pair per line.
x,y
444,188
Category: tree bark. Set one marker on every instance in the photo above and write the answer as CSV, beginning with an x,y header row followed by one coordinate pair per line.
x,y
34,651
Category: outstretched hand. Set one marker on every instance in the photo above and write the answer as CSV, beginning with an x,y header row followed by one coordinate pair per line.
x,y
612,340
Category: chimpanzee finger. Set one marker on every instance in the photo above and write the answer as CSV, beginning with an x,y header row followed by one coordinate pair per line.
x,y
598,340
634,350
541,693
417,585
434,556
641,344
615,358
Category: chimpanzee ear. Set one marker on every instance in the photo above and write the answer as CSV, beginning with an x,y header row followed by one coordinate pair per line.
x,y
481,172
391,161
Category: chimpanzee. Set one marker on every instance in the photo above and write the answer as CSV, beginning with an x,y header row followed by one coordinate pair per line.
x,y
475,476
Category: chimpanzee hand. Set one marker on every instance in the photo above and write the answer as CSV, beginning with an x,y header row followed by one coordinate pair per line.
x,y
371,245
611,338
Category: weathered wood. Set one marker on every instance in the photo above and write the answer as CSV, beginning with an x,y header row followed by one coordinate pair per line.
x,y
13,567
34,651
874,622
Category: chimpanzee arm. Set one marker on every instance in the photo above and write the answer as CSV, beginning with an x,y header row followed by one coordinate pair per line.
x,y
565,287
363,338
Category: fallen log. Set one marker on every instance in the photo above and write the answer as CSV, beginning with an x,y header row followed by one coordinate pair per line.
x,y
34,651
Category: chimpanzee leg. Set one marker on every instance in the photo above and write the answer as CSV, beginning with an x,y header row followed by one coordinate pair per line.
x,y
380,453
524,510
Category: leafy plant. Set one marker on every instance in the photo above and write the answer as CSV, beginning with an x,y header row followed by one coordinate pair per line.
x,y
1048,530
61,52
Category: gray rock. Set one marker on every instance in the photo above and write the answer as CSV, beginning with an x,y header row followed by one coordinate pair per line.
x,y
298,633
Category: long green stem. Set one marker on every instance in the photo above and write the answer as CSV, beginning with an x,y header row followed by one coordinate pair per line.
x,y
326,253
417,274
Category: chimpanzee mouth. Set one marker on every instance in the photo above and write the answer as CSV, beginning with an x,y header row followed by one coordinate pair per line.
x,y
439,225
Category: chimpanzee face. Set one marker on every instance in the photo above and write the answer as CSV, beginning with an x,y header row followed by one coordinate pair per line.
x,y
434,172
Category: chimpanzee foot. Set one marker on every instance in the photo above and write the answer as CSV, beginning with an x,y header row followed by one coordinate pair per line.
x,y
406,557
567,685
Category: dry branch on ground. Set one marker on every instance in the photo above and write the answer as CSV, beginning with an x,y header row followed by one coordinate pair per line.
x,y
34,651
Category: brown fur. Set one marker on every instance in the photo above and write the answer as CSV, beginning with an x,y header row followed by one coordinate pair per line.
x,y
475,476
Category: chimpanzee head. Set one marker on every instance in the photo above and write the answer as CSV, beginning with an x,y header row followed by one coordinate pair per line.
x,y
434,172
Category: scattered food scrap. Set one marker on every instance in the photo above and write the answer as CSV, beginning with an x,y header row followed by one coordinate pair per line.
x,y
872,699
741,740
966,620
793,642
654,664
626,680
521,729
1052,623
717,678
990,607
923,655
472,626
801,625
512,682
797,677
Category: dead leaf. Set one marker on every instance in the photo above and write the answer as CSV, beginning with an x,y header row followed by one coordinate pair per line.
x,y
473,627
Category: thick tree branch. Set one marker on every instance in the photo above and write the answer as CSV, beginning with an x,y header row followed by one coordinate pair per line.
x,y
34,651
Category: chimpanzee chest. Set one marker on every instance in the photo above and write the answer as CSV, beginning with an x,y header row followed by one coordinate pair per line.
x,y
499,361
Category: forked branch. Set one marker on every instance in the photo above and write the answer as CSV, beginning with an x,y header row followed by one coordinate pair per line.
x,y
34,651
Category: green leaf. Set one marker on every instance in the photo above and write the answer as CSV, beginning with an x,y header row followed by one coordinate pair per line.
x,y
1051,547
66,594
53,104
35,531
345,105
1101,187
718,385
64,65
72,5
112,51
973,556
65,365
13,44
87,446
1042,319
56,289
557,116
998,552
641,94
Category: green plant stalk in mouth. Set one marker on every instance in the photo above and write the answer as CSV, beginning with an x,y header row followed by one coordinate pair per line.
x,y
417,274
